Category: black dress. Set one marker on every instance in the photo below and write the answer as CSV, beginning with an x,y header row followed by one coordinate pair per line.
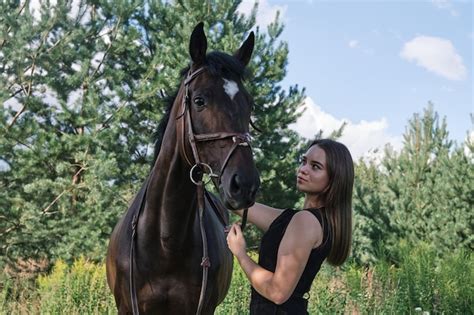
x,y
298,303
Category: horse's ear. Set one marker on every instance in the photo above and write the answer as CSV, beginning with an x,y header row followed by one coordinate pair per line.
x,y
198,44
244,53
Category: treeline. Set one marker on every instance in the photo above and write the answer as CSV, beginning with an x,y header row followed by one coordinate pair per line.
x,y
83,90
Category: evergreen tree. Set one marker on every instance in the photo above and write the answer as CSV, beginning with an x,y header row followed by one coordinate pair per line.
x,y
82,93
424,193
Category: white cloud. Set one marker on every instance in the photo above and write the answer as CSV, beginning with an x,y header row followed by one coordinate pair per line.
x,y
363,138
441,4
435,54
35,7
266,12
353,43
445,5
447,89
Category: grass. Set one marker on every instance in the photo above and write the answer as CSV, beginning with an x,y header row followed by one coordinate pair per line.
x,y
420,282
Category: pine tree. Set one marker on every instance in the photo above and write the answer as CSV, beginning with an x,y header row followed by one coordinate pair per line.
x,y
82,92
422,194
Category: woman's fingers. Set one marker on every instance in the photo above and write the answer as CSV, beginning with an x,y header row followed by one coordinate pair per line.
x,y
238,230
227,229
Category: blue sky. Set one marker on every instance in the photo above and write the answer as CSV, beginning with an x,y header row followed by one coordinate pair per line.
x,y
375,63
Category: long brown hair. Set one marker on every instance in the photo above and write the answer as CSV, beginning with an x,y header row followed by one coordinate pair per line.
x,y
338,198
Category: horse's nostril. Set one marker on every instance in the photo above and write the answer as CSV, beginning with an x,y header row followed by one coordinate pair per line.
x,y
235,184
253,193
240,188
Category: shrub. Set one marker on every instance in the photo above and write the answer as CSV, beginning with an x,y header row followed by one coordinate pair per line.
x,y
419,282
80,289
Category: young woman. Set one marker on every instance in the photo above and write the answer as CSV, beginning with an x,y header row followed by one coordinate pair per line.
x,y
296,243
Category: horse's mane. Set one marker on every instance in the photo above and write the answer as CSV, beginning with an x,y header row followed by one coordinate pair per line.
x,y
218,64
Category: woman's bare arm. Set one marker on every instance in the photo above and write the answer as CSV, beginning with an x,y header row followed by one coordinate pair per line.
x,y
302,235
261,215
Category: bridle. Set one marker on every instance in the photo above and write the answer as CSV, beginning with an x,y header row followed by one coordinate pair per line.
x,y
198,168
238,139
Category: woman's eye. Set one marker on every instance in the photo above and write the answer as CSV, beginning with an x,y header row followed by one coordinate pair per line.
x,y
315,167
199,102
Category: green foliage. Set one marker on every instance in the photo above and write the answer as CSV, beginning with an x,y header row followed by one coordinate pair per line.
x,y
237,300
81,288
420,281
423,193
81,90
77,289
18,295
81,94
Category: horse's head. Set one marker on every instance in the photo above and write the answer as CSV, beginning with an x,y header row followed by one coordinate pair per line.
x,y
214,120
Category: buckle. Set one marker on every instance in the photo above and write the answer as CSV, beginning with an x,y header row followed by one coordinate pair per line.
x,y
198,171
243,140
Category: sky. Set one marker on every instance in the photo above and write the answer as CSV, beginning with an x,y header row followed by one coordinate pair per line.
x,y
373,64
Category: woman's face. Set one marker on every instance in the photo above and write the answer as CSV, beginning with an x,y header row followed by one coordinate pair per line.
x,y
312,176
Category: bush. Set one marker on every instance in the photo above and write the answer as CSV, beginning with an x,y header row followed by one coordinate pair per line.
x,y
81,289
419,282
237,300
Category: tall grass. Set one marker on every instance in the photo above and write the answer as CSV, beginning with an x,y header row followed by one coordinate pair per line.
x,y
419,282
80,289
77,289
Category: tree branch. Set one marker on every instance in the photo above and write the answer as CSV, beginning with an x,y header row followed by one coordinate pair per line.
x,y
9,28
108,49
16,117
45,210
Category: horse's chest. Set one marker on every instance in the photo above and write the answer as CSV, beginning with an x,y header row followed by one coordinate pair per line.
x,y
178,287
173,292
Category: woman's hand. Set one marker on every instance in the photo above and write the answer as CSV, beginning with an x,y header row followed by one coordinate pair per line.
x,y
236,241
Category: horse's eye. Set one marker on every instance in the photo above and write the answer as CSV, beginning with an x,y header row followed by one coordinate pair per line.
x,y
199,101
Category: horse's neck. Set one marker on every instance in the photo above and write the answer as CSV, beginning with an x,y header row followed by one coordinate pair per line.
x,y
170,209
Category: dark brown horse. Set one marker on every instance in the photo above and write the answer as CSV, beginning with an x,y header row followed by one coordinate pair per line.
x,y
159,269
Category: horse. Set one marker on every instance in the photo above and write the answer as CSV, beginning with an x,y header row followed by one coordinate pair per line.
x,y
168,253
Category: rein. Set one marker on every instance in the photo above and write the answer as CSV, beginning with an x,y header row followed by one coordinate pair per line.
x,y
198,168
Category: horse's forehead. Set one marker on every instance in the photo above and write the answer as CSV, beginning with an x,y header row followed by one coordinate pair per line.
x,y
231,88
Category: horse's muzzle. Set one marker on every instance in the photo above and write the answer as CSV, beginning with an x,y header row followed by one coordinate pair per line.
x,y
241,192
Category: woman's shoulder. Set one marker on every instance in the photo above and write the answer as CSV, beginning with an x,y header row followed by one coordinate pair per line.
x,y
306,218
308,226
315,212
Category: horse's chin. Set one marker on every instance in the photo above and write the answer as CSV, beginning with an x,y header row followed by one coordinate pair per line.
x,y
231,203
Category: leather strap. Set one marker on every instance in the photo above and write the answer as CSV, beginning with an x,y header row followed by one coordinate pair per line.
x,y
133,290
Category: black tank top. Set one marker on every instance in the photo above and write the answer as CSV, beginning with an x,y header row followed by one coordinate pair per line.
x,y
297,303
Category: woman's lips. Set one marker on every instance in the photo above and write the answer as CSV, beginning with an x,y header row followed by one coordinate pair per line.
x,y
301,179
